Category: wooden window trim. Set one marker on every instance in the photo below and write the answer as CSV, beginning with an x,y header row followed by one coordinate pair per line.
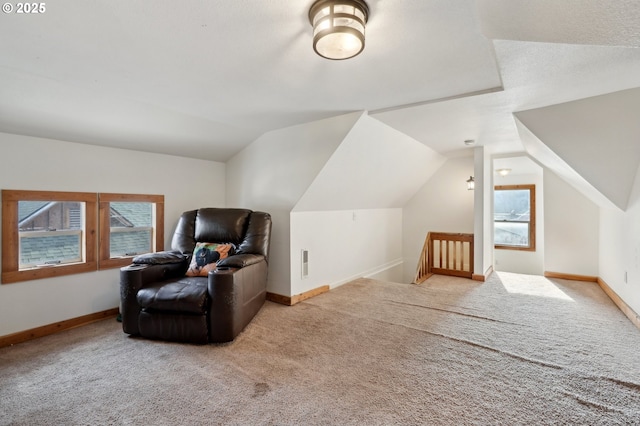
x,y
104,251
11,272
532,217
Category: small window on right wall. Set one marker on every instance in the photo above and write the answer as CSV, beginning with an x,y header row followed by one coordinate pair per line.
x,y
129,225
514,215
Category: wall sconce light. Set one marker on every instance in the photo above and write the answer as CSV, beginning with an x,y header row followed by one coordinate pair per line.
x,y
338,27
471,184
503,172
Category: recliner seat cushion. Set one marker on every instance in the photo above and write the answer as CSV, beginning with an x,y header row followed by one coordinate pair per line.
x,y
187,295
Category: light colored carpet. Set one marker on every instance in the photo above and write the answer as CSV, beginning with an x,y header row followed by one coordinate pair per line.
x,y
513,350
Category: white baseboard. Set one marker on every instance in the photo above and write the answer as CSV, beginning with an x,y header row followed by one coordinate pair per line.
x,y
369,273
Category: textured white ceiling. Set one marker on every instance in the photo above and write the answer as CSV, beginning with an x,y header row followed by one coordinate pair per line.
x,y
534,75
592,22
518,165
205,78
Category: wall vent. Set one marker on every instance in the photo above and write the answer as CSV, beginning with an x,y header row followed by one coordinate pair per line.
x,y
305,263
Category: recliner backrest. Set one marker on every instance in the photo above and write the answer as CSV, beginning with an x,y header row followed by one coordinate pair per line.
x,y
256,239
221,225
248,230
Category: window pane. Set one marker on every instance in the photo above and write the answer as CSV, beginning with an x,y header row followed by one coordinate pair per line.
x,y
514,217
131,214
511,234
130,228
41,248
50,232
129,242
512,205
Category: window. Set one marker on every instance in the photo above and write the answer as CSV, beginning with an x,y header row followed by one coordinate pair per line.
x,y
514,217
129,225
47,234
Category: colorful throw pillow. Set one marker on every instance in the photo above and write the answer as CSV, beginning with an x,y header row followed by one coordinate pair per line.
x,y
206,256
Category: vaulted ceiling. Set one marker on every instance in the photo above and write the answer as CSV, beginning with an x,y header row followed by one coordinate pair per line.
x,y
204,79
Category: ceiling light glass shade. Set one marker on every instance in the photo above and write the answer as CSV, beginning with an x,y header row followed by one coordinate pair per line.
x,y
503,172
338,27
471,184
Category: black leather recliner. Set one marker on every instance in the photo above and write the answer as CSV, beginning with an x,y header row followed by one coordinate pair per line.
x,y
158,301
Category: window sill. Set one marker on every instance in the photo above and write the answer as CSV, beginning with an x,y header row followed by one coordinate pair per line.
x,y
9,277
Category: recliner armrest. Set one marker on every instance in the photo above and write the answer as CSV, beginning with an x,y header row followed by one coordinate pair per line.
x,y
160,258
241,260
236,296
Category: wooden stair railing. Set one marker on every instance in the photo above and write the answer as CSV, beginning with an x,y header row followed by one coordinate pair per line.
x,y
446,254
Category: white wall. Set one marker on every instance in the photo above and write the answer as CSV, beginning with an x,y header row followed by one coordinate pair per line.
x,y
273,173
521,261
28,163
551,161
442,204
338,165
487,184
620,248
483,253
576,132
343,245
571,229
374,167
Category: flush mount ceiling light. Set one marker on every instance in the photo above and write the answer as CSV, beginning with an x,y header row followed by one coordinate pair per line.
x,y
503,172
338,27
